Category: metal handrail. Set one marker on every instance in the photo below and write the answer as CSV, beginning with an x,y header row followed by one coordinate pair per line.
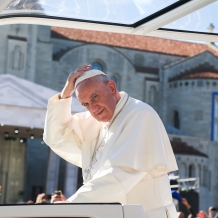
x,y
187,183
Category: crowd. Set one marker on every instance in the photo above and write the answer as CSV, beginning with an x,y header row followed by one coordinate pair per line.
x,y
201,214
212,211
58,196
192,212
44,199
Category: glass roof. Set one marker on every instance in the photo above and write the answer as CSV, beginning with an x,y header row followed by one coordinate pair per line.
x,y
204,20
122,12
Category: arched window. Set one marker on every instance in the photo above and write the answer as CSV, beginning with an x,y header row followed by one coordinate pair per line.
x,y
183,171
97,66
176,120
199,174
152,96
116,79
191,172
205,176
17,59
209,179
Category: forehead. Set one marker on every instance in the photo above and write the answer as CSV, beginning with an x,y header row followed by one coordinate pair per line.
x,y
86,89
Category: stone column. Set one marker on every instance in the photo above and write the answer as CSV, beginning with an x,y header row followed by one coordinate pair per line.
x,y
52,172
71,177
32,41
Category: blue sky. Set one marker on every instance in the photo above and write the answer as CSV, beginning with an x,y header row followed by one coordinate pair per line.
x,y
198,20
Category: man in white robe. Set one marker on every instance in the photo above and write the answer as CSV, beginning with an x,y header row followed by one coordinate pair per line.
x,y
120,143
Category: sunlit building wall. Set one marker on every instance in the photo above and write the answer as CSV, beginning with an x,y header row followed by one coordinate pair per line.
x,y
177,86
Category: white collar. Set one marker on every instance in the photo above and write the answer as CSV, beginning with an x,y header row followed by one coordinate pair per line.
x,y
118,107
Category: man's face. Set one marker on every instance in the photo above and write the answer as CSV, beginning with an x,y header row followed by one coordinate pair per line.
x,y
98,98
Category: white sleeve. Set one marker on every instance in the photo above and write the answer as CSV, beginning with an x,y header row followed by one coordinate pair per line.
x,y
111,185
61,131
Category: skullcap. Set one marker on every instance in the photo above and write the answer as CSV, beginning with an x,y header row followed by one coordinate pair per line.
x,y
88,74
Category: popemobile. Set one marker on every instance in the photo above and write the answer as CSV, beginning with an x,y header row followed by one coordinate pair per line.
x,y
140,17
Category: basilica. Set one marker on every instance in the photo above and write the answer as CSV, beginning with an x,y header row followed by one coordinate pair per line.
x,y
178,79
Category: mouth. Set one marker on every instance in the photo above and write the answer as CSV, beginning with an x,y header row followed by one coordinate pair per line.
x,y
99,113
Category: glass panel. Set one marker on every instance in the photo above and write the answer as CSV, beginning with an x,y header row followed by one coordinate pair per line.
x,y
116,11
35,62
203,20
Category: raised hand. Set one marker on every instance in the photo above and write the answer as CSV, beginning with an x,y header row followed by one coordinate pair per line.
x,y
41,198
55,198
70,84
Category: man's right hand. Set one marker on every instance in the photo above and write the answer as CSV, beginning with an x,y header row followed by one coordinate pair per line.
x,y
70,84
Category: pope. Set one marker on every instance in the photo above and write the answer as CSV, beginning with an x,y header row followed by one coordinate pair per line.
x,y
119,142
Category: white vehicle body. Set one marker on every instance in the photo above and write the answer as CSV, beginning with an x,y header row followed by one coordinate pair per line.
x,y
72,210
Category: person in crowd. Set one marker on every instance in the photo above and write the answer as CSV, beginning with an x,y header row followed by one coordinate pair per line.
x,y
29,202
120,143
202,214
58,197
181,215
176,195
189,208
41,198
211,210
44,199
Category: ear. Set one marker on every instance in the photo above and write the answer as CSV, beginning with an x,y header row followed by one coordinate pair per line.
x,y
112,86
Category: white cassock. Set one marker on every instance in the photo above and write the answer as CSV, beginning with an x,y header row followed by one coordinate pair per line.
x,y
132,164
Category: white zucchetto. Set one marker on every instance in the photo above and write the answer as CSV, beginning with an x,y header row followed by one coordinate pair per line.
x,y
88,74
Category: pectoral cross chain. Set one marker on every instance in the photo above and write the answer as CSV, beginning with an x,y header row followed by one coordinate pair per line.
x,y
87,171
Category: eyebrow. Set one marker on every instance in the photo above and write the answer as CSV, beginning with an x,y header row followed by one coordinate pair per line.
x,y
90,98
93,95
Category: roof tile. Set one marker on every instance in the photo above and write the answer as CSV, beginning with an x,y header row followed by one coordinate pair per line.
x,y
180,147
146,43
210,75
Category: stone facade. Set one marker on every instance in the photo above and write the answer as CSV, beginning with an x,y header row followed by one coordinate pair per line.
x,y
204,167
12,162
191,98
166,81
23,107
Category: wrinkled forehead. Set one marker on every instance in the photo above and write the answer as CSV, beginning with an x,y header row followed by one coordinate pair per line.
x,y
83,86
92,82
87,88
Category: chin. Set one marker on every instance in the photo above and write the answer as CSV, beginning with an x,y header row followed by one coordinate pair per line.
x,y
103,119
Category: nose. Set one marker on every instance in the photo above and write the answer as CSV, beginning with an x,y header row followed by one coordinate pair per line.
x,y
93,107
